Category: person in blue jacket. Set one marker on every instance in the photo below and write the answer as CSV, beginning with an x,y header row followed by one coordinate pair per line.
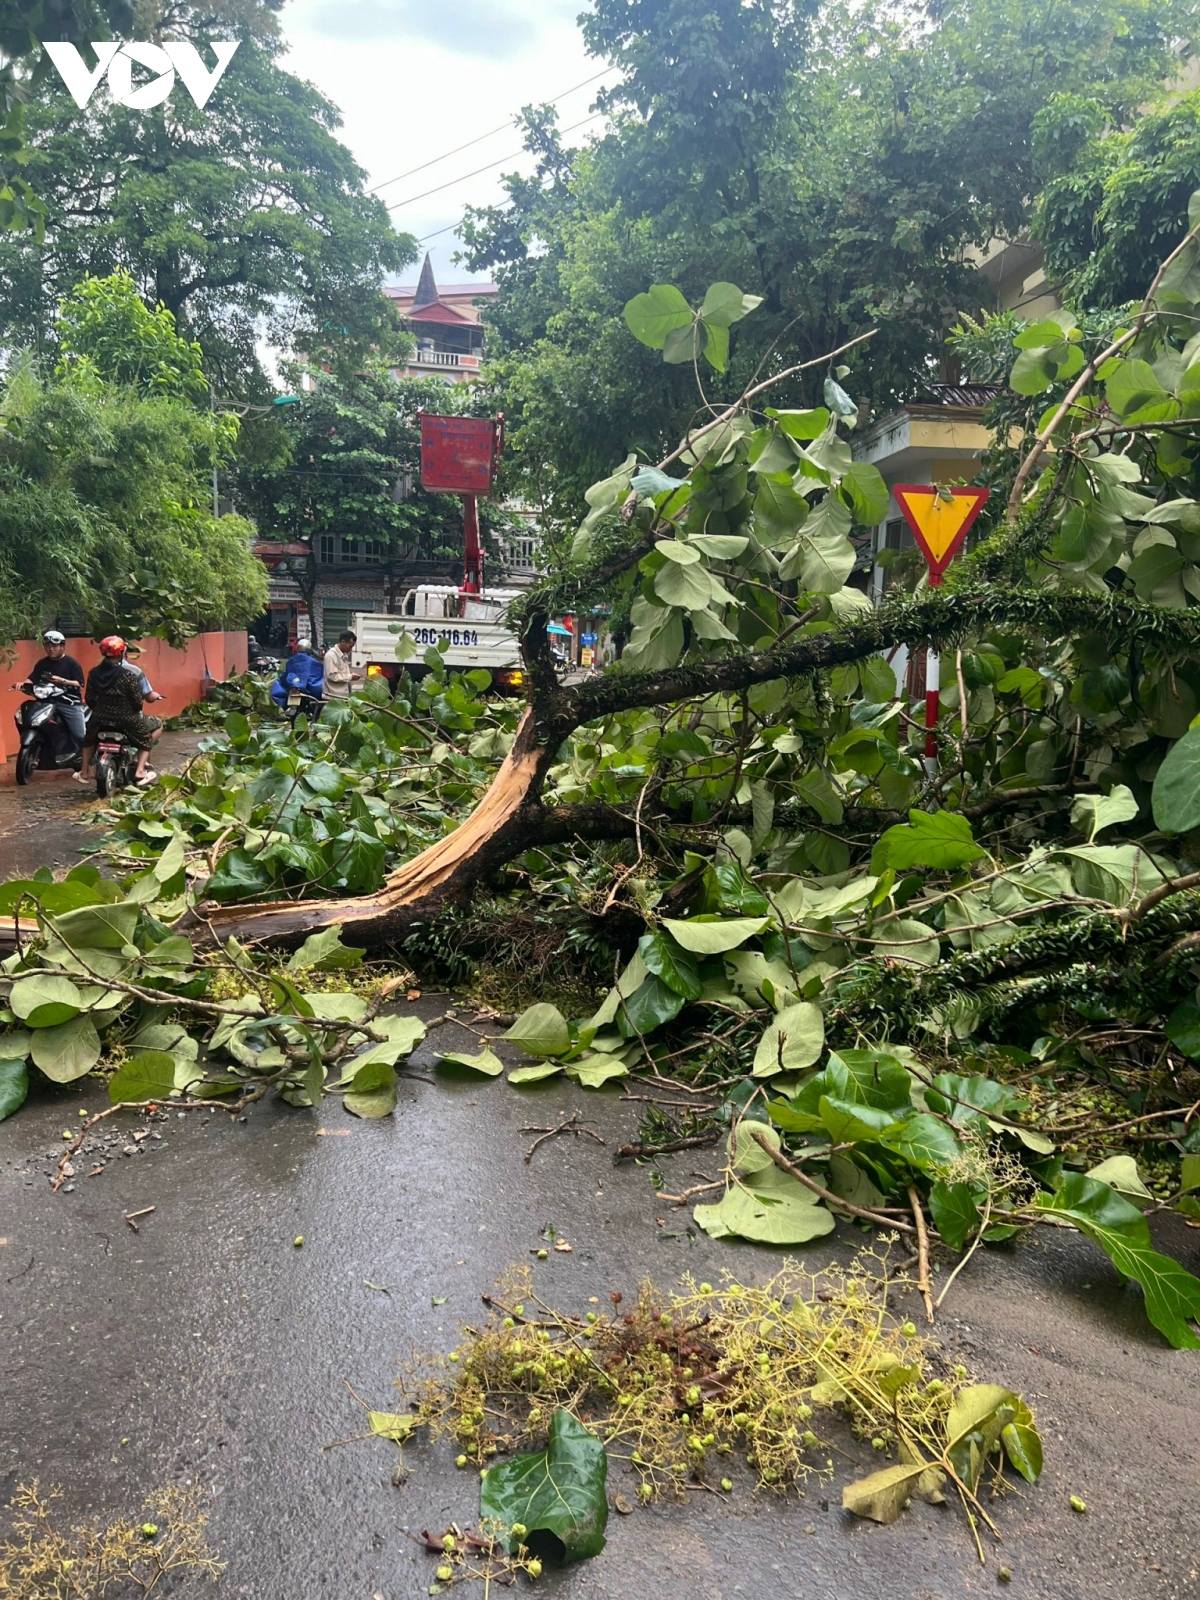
x,y
303,674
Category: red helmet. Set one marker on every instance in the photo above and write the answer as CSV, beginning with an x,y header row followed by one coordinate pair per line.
x,y
114,645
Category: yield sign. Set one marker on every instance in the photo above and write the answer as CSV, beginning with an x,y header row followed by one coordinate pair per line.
x,y
940,520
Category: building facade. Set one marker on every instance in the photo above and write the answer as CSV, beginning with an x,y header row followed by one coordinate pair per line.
x,y
446,325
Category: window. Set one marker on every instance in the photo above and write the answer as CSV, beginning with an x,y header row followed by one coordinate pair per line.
x,y
339,552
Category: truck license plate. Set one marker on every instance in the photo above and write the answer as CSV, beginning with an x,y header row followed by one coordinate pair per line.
x,y
433,636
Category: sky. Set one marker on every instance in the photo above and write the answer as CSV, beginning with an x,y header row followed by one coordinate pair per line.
x,y
415,78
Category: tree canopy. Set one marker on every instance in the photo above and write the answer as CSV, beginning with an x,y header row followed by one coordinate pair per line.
x,y
841,165
105,487
249,212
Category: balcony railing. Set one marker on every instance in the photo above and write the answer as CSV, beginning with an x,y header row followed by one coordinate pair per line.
x,y
445,358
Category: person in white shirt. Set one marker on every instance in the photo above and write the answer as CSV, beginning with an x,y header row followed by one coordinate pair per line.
x,y
340,676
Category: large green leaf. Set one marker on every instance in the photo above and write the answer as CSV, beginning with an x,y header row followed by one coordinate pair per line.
x,y
651,1004
68,1051
1172,1294
926,1142
650,317
670,962
149,1075
558,1495
713,936
401,1037
792,1042
867,491
1176,792
372,1091
954,1212
938,839
14,1085
687,586
324,951
725,304
487,1062
594,1070
102,927
769,1207
1092,812
44,1001
541,1030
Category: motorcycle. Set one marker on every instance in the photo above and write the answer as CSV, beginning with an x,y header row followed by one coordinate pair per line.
x,y
46,740
116,762
261,662
299,704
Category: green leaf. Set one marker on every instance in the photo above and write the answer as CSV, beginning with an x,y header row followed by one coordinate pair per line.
x,y
651,1004
239,876
372,1091
393,1425
882,1496
792,1042
327,1006
558,1492
323,952
716,345
1092,812
868,492
68,1051
103,927
650,317
401,1037
1175,796
171,861
936,839
594,1070
925,1142
713,936
670,962
1121,1173
905,939
487,1062
323,778
536,1072
14,1085
769,1207
1172,1294
688,587
541,1030
954,1212
838,400
724,304
150,1075
45,1001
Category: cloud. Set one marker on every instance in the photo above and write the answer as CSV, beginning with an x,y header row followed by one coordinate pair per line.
x,y
461,27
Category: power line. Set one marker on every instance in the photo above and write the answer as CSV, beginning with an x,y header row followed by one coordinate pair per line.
x,y
399,205
492,132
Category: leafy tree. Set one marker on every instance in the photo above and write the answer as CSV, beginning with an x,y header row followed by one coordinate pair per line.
x,y
105,484
1113,199
840,166
105,329
345,446
246,213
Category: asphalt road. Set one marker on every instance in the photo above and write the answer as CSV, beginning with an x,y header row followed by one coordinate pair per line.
x,y
206,1345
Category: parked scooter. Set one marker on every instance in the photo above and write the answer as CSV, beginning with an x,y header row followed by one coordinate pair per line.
x,y
46,740
116,762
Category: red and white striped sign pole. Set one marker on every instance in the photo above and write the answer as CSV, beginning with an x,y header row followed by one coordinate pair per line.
x,y
940,519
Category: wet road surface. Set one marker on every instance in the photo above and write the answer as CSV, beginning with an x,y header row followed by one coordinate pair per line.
x,y
40,823
218,1350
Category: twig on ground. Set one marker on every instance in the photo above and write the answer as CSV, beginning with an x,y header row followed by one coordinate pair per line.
x,y
132,1216
629,1152
569,1124
926,1293
831,1199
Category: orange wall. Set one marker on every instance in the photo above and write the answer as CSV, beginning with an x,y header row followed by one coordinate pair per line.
x,y
176,674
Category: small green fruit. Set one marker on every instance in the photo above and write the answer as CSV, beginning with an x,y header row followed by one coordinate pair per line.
x,y
518,1530
534,1568
449,1542
460,1461
706,1288
445,1572
149,1530
82,1112
543,1255
909,1330
454,1356
67,1134
298,1240
1004,1574
1078,1505
727,1484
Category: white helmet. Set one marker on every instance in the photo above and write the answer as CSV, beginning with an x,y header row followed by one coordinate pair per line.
x,y
52,636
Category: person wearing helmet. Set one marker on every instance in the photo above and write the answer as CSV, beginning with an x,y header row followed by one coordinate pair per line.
x,y
57,667
115,696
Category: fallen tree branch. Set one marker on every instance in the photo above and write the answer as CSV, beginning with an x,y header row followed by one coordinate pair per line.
x,y
832,1200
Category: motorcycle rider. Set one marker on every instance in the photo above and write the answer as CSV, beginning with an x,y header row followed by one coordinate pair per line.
x,y
115,695
62,670
302,674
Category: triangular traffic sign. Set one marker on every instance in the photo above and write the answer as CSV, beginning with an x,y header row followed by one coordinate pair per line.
x,y
940,520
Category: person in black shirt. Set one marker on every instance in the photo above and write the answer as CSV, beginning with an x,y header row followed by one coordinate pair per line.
x,y
56,666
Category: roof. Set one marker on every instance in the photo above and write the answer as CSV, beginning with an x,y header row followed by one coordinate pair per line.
x,y
456,291
960,394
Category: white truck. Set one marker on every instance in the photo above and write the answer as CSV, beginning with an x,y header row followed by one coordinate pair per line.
x,y
471,631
